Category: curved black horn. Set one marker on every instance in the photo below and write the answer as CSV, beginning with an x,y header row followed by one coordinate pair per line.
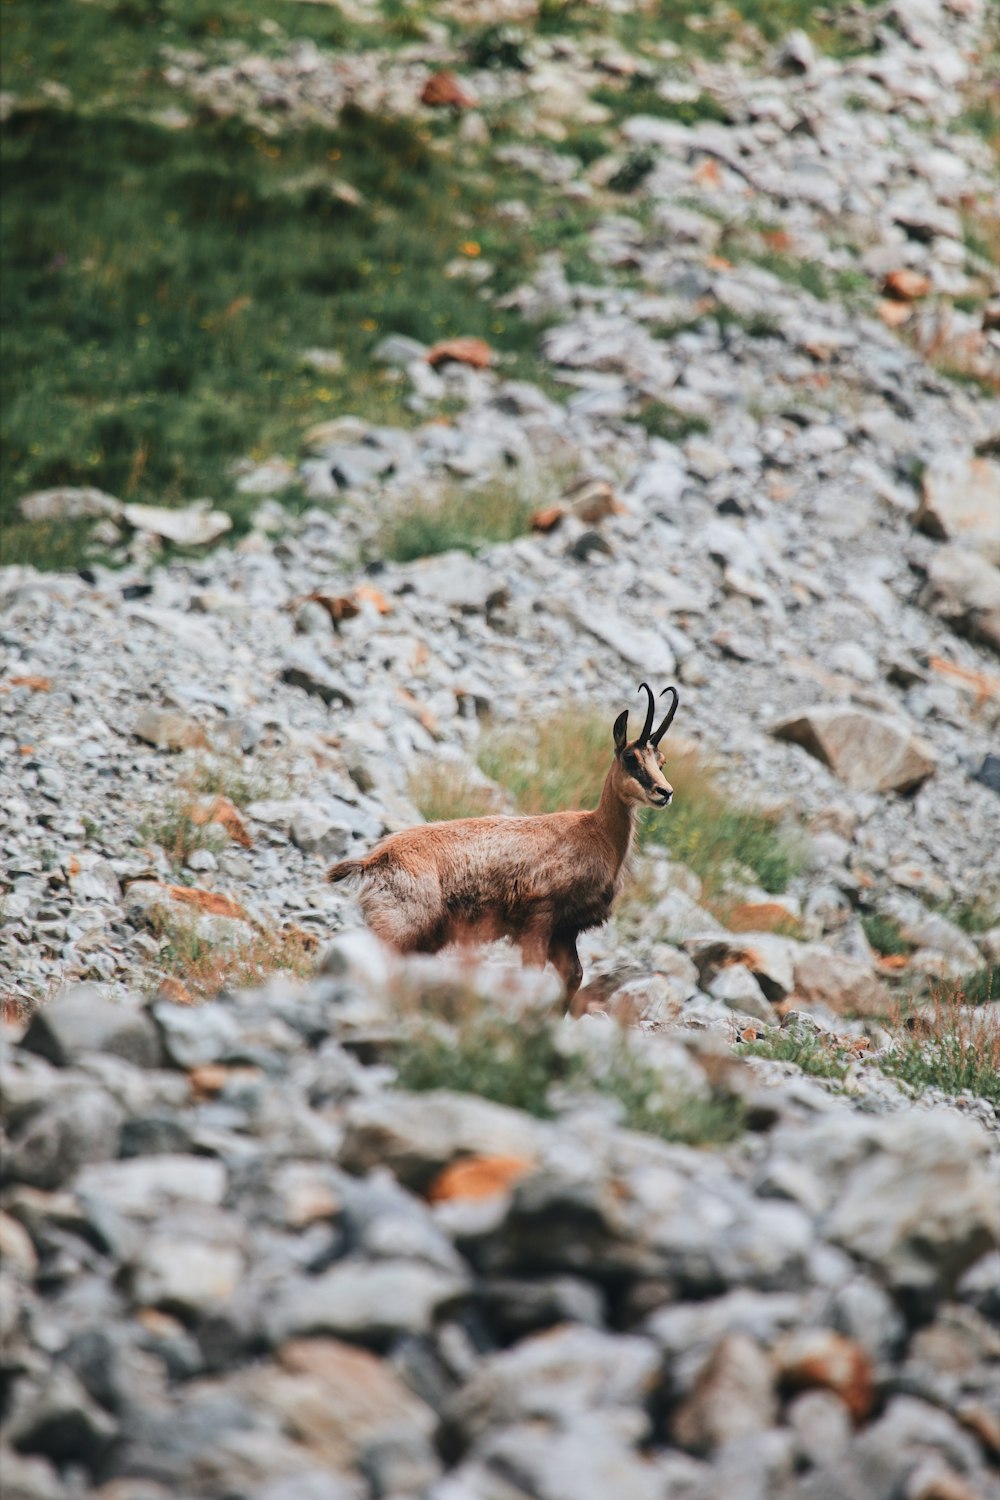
x,y
644,736
668,718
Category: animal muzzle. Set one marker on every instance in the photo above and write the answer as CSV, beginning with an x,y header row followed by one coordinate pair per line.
x,y
662,795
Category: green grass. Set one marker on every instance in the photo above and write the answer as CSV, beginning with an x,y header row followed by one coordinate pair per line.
x,y
640,96
884,935
662,420
948,1048
814,1055
160,339
517,1062
463,519
442,792
562,764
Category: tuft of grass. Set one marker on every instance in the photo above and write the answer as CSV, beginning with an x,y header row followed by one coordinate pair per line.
x,y
179,834
442,792
662,420
517,1061
512,1062
884,935
948,1047
713,833
459,518
229,776
562,764
205,968
815,1055
982,986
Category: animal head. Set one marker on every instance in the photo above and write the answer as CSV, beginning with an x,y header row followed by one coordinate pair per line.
x,y
639,762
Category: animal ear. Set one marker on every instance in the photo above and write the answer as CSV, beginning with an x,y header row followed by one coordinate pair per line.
x,y
621,731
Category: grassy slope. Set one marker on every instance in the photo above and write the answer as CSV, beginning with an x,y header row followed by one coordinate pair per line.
x,y
160,284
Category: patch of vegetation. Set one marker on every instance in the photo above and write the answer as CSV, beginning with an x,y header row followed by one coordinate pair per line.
x,y
662,420
884,935
206,968
230,776
563,762
497,46
816,1055
517,1061
179,832
458,518
949,1047
642,96
974,916
442,792
715,834
981,987
634,170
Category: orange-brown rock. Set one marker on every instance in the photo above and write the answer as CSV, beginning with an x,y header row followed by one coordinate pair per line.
x,y
811,1357
478,1177
174,991
221,811
212,902
443,90
465,350
905,285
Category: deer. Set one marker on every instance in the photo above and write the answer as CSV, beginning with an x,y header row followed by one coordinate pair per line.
x,y
539,879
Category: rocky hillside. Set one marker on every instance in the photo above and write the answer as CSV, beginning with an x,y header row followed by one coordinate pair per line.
x,y
282,1218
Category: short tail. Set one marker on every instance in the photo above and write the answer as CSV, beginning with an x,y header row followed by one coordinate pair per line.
x,y
345,869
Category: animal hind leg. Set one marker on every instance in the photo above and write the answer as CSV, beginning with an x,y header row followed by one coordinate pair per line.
x,y
565,960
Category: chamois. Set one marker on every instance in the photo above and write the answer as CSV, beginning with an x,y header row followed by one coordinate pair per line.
x,y
540,879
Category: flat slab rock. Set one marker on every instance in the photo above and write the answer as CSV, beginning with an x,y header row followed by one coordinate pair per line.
x,y
869,752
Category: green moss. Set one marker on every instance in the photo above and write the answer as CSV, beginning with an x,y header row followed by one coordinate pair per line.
x,y
884,935
662,420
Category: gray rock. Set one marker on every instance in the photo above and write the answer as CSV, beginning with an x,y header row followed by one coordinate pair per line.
x,y
195,1035
168,730
739,989
314,833
417,1135
306,670
81,1021
869,752
67,503
370,1302
733,1397
81,1127
964,589
553,1376
961,503
192,525
61,1422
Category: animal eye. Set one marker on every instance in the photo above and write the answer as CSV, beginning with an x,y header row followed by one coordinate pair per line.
x,y
631,762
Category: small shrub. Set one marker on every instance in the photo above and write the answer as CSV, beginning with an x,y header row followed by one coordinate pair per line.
x,y
497,46
231,777
461,519
649,1106
884,935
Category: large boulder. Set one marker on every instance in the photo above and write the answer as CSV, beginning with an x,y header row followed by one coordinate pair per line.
x,y
964,589
961,503
869,752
